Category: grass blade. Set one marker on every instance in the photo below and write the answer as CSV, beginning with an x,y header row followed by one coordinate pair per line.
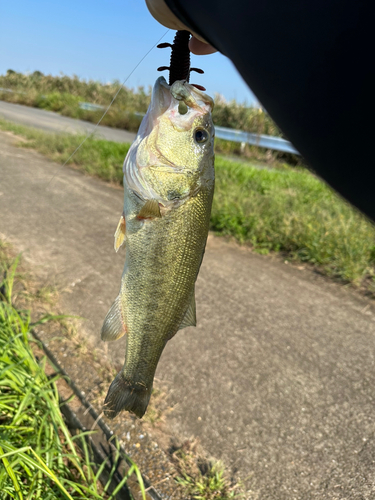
x,y
11,474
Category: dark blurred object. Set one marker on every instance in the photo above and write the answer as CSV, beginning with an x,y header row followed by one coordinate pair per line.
x,y
310,64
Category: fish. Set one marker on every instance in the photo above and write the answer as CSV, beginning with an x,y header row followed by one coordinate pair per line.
x,y
169,182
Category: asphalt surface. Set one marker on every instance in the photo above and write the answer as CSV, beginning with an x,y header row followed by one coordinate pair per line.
x,y
278,377
53,122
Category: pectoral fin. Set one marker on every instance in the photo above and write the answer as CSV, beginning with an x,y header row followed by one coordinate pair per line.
x,y
149,210
120,233
190,318
114,326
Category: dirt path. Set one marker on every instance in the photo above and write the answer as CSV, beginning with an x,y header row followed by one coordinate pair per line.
x,y
277,379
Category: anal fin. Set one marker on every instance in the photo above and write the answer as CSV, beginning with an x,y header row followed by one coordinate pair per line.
x,y
120,233
149,210
113,327
190,318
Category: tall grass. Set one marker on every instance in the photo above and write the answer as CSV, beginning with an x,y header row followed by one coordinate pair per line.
x,y
80,90
39,457
295,212
63,94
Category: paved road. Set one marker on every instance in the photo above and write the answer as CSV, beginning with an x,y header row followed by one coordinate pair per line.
x,y
277,379
53,122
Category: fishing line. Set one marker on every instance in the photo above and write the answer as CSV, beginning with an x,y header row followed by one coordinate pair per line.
x,y
106,111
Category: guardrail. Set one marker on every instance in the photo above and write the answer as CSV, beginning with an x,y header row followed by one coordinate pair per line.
x,y
12,91
263,141
228,134
88,106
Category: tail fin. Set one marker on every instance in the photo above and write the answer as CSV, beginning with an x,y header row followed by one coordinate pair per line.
x,y
126,395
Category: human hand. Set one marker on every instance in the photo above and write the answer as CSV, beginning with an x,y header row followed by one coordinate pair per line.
x,y
161,12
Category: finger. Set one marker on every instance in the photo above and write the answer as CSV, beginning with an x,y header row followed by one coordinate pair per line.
x,y
200,48
159,10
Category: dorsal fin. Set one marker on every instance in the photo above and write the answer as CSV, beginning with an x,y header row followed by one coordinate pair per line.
x,y
149,210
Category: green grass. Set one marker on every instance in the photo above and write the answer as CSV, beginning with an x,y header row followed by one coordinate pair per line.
x,y
209,486
96,157
294,212
287,210
203,479
39,458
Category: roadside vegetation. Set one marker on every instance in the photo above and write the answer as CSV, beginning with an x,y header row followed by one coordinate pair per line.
x,y
286,210
294,212
63,94
201,478
39,457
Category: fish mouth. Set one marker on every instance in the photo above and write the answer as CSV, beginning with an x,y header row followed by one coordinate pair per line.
x,y
165,102
191,96
167,98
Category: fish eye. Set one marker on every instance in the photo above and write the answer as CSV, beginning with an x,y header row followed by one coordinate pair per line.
x,y
201,135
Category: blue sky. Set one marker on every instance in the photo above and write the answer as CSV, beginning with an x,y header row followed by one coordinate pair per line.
x,y
101,40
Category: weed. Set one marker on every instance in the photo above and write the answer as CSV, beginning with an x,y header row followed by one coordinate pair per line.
x,y
46,294
202,479
39,456
68,327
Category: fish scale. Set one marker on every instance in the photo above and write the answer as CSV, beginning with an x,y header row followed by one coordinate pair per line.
x,y
164,283
165,238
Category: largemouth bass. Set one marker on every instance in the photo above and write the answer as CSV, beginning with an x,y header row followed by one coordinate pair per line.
x,y
168,189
